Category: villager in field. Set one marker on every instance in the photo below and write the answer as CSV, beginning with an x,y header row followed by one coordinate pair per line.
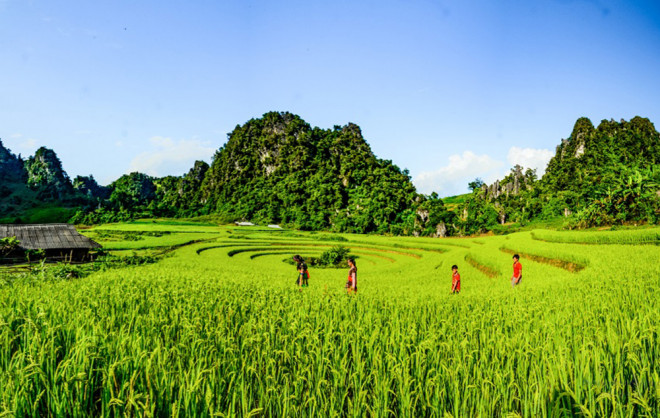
x,y
303,273
351,284
517,270
455,279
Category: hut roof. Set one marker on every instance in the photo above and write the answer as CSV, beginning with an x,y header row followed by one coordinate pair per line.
x,y
47,236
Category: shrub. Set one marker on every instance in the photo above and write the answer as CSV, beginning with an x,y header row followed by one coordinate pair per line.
x,y
334,256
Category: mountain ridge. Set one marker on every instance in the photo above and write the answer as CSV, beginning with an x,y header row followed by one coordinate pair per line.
x,y
279,169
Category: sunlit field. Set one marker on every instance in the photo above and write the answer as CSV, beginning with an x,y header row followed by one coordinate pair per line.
x,y
217,327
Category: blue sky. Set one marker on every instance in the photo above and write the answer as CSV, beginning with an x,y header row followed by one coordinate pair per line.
x,y
450,90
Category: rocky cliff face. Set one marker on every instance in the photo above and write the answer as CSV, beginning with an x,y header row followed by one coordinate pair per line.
x,y
509,186
46,176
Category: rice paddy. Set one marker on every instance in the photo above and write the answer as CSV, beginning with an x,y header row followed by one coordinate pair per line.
x,y
218,328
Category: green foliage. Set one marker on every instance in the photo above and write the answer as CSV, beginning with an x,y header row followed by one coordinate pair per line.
x,y
112,235
611,170
335,256
476,184
133,192
37,190
278,169
46,176
8,245
61,271
88,186
34,255
453,200
49,213
110,261
332,237
11,166
599,176
614,236
181,196
100,215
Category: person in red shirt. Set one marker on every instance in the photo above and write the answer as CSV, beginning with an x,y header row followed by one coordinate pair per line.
x,y
351,284
517,271
455,279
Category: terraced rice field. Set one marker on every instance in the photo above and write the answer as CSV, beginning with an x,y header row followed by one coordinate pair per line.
x,y
218,328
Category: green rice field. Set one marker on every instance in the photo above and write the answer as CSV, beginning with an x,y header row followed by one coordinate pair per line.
x,y
217,327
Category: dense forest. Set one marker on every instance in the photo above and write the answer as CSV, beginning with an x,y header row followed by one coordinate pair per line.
x,y
279,169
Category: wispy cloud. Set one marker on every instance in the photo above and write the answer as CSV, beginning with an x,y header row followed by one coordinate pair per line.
x,y
530,158
171,157
453,178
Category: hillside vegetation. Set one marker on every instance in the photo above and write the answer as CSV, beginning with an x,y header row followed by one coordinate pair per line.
x,y
608,175
278,169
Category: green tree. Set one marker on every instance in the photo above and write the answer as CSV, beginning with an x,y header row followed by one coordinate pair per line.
x,y
133,191
8,245
476,184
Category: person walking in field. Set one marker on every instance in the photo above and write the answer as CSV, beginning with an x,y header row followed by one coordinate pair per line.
x,y
303,273
351,284
455,279
517,271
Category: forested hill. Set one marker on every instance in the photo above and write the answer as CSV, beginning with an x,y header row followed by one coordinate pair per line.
x,y
592,156
605,175
279,169
39,190
274,169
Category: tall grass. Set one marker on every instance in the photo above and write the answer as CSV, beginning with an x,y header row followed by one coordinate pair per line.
x,y
202,334
628,237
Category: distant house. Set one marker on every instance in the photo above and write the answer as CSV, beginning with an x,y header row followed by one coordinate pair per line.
x,y
58,241
244,223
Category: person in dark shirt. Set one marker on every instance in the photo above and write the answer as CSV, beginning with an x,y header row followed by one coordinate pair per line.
x,y
303,273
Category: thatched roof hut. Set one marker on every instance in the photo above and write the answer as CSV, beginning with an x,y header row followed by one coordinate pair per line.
x,y
59,241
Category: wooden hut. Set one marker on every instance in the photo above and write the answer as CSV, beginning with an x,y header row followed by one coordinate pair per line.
x,y
60,242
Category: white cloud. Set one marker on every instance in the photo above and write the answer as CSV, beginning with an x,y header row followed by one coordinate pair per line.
x,y
453,178
170,157
530,158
